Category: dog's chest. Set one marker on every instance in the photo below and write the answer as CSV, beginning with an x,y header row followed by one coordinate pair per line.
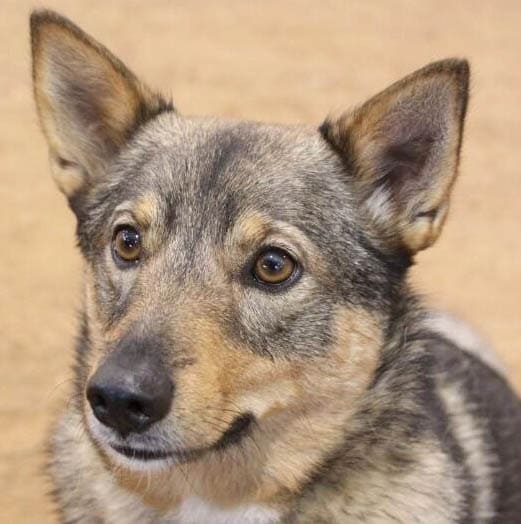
x,y
197,511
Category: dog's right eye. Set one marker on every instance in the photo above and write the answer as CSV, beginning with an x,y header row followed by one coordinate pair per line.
x,y
126,244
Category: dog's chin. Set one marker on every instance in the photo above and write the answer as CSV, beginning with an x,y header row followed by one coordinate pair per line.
x,y
141,454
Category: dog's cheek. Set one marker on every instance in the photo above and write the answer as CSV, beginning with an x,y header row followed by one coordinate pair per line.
x,y
341,373
329,389
222,382
226,380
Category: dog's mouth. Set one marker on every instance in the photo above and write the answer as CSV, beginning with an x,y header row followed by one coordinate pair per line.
x,y
141,454
235,432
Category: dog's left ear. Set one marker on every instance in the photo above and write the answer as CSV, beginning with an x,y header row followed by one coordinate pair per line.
x,y
89,103
402,150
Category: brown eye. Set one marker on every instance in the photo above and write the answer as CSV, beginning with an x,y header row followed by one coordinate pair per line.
x,y
127,244
274,266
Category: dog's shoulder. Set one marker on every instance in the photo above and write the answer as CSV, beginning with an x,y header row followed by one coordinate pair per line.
x,y
483,414
438,430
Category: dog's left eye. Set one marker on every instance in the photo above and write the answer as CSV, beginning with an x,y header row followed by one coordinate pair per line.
x,y
126,244
274,266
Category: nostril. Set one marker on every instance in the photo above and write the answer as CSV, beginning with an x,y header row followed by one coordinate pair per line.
x,y
135,407
98,401
99,404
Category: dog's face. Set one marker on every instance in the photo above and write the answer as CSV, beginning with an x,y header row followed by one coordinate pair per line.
x,y
210,258
240,277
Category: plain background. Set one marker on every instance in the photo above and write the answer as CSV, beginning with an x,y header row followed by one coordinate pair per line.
x,y
268,60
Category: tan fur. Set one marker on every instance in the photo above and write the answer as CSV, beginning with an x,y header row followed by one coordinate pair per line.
x,y
145,210
250,229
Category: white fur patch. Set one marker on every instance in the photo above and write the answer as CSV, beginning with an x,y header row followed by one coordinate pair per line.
x,y
464,337
196,511
379,205
471,436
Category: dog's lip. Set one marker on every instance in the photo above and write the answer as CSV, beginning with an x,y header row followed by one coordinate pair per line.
x,y
141,453
237,429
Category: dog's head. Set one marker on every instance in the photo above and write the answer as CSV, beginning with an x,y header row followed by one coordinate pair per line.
x,y
240,277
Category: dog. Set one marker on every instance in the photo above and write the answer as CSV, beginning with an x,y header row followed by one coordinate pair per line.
x,y
250,350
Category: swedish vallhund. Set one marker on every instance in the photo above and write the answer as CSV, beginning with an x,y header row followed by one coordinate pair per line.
x,y
250,350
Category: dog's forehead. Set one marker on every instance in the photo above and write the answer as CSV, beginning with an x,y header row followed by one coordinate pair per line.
x,y
198,160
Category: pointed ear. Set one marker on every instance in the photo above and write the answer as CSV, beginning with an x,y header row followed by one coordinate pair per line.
x,y
402,149
88,102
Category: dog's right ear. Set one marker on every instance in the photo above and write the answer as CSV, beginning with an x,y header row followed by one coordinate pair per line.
x,y
88,102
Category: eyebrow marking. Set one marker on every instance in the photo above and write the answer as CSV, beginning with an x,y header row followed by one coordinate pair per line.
x,y
143,210
252,228
146,208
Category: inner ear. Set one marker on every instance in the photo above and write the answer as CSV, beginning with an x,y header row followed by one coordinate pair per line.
x,y
402,148
88,101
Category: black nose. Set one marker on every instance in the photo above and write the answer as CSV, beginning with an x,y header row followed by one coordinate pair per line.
x,y
129,400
